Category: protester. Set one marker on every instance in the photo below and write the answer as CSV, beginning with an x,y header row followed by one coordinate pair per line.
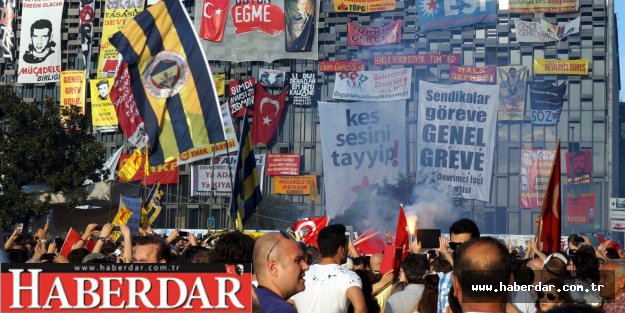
x,y
554,297
429,297
413,268
613,281
150,249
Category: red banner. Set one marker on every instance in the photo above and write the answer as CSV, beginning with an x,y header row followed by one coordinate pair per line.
x,y
166,173
254,16
241,96
341,66
214,17
358,35
473,74
417,59
578,166
101,287
581,209
283,164
534,176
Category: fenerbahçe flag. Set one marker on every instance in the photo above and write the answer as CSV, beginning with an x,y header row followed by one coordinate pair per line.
x,y
171,81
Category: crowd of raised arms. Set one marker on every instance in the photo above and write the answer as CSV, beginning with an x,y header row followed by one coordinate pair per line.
x,y
467,273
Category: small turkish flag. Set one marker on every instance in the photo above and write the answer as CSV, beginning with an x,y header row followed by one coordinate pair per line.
x,y
214,14
230,268
309,229
267,114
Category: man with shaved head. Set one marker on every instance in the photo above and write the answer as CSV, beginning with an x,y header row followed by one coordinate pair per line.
x,y
613,289
279,263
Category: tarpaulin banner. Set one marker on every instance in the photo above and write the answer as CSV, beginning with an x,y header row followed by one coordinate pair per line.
x,y
116,15
241,96
546,102
166,173
447,14
73,89
363,144
417,59
363,6
456,139
65,288
512,82
567,67
216,178
7,29
300,24
103,116
486,74
578,166
544,31
283,164
542,6
255,31
583,208
294,185
341,66
302,89
40,42
230,145
534,175
387,85
358,35
87,15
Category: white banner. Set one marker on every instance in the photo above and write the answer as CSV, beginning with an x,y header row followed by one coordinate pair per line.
x,y
456,137
363,144
544,31
40,42
387,85
219,176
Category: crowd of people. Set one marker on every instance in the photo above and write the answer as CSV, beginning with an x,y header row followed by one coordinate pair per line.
x,y
467,273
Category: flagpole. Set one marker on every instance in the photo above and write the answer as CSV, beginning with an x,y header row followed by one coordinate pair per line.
x,y
229,219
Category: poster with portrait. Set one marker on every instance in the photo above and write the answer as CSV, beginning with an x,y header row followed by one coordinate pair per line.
x,y
7,29
299,18
512,82
271,78
103,115
582,208
578,166
302,89
40,42
534,176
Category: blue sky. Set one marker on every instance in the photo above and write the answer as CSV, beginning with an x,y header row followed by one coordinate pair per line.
x,y
619,8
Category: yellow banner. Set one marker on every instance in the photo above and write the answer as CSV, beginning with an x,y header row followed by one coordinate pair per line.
x,y
220,83
103,116
73,89
131,167
571,67
294,185
543,6
115,17
364,6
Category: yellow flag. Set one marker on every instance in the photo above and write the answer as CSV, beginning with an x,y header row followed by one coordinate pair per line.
x,y
131,167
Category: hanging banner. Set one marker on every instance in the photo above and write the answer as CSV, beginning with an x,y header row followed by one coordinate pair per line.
x,y
216,149
302,89
363,144
87,15
417,59
544,31
7,27
583,208
268,115
617,214
241,96
387,85
445,14
473,74
363,6
220,83
546,102
542,6
214,15
341,66
40,42
534,175
255,31
578,166
294,185
512,82
456,137
567,67
73,89
103,115
116,15
358,35
216,179
283,164
271,78
166,173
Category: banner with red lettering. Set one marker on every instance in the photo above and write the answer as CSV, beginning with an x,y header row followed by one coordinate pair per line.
x,y
73,90
268,114
215,178
512,82
116,15
578,166
486,74
583,208
534,176
358,35
417,59
40,42
87,15
166,173
214,15
283,164
294,185
241,96
341,66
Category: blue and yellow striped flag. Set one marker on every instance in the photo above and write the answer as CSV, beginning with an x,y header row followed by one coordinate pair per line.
x,y
246,187
170,80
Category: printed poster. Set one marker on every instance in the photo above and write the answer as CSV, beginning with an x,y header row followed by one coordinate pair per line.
x,y
7,29
300,17
302,89
534,175
283,164
474,74
271,78
456,137
567,67
116,14
341,66
40,42
358,35
73,89
417,59
294,185
363,144
447,14
544,31
363,6
220,83
512,82
217,177
582,208
387,85
241,96
103,115
578,166
546,102
542,6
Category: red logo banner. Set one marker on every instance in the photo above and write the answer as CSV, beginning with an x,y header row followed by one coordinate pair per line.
x,y
358,35
257,17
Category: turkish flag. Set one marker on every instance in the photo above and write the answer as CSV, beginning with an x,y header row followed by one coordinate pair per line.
x,y
72,238
309,229
401,233
214,14
371,242
267,114
552,209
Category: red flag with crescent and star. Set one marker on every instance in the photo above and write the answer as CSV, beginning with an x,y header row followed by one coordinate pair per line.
x,y
214,14
308,229
267,114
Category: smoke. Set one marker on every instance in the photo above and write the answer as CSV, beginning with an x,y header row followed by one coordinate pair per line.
x,y
433,208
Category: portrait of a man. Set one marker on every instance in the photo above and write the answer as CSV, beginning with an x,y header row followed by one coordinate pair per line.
x,y
300,25
41,44
579,166
103,89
